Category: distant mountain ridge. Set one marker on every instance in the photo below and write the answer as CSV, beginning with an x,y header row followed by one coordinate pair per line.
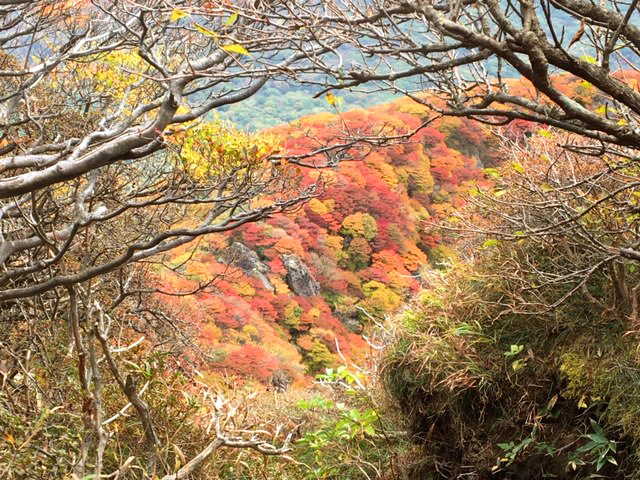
x,y
281,102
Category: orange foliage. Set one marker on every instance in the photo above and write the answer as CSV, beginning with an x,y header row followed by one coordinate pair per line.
x,y
364,240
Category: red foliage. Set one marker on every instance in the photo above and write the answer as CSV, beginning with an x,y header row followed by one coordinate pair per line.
x,y
263,306
249,361
394,185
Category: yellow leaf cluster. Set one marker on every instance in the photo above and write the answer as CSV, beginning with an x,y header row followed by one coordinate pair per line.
x,y
318,207
235,49
334,100
177,14
280,286
243,288
387,174
214,148
360,224
334,242
288,245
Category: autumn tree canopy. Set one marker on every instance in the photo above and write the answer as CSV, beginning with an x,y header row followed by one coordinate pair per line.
x,y
523,69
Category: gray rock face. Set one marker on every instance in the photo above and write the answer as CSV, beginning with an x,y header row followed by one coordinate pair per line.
x,y
241,256
299,277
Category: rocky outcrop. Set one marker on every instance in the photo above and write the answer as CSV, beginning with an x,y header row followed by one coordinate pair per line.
x,y
299,277
239,255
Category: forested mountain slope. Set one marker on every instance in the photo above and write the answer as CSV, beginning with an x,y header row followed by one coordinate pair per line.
x,y
293,293
296,291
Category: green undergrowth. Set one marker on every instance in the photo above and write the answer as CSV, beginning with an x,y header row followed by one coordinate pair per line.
x,y
491,390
